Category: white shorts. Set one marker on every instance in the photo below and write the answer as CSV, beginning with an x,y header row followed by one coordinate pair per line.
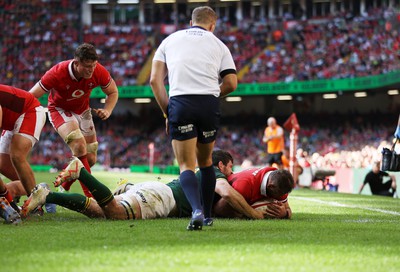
x,y
5,141
155,199
31,130
59,116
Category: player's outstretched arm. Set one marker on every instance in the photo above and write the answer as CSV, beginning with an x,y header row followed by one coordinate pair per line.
x,y
236,200
37,91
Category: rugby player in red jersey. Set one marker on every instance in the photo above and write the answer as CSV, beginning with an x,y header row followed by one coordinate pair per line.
x,y
259,183
69,85
22,119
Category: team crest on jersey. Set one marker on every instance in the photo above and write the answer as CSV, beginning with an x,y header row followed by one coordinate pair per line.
x,y
76,94
68,87
91,85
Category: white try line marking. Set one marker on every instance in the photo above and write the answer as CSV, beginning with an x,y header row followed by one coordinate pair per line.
x,y
337,204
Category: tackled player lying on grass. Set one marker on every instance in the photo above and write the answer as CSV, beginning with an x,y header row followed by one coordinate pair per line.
x,y
144,200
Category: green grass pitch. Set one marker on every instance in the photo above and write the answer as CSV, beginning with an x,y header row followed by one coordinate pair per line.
x,y
328,232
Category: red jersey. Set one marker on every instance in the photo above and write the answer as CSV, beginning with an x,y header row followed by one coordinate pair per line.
x,y
14,102
251,184
68,93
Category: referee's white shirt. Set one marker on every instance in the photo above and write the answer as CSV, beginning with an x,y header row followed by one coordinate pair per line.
x,y
194,58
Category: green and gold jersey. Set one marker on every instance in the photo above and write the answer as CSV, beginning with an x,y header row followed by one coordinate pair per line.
x,y
185,210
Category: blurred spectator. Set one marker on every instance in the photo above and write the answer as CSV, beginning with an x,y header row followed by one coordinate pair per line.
x,y
341,141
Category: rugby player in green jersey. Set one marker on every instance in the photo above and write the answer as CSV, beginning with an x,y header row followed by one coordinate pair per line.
x,y
145,200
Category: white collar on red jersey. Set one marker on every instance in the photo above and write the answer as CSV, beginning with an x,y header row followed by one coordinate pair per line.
x,y
71,73
263,187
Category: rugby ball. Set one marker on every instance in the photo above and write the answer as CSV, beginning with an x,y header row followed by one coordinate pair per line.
x,y
262,205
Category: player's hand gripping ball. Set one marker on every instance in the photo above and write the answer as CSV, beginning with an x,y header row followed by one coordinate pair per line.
x,y
262,205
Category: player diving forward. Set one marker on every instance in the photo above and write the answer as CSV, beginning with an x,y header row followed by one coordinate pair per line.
x,y
145,200
256,184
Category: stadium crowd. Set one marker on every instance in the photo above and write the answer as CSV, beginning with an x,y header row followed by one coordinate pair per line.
x,y
330,48
43,33
349,141
38,35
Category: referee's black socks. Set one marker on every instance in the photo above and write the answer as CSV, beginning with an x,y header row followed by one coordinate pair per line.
x,y
207,188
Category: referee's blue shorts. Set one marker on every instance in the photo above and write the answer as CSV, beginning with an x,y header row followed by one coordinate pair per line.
x,y
191,116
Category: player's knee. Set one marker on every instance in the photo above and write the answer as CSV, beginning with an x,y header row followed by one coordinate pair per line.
x,y
73,136
76,142
18,157
78,148
92,148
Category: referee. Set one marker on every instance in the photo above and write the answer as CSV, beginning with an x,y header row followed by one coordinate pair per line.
x,y
200,69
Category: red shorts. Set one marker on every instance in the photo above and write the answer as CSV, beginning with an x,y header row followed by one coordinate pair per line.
x,y
59,116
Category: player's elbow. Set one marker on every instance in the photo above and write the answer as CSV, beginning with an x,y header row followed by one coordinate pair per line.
x,y
153,81
222,190
155,85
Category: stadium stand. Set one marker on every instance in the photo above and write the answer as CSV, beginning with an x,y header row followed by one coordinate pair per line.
x,y
124,49
330,141
42,33
38,35
330,48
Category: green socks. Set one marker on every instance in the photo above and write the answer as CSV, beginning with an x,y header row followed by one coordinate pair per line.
x,y
79,203
75,202
100,192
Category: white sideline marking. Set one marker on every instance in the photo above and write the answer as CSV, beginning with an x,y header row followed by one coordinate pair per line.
x,y
337,204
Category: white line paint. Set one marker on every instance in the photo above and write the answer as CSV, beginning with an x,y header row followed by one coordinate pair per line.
x,y
337,204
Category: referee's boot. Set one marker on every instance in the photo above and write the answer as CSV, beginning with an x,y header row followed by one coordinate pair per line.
x,y
196,223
